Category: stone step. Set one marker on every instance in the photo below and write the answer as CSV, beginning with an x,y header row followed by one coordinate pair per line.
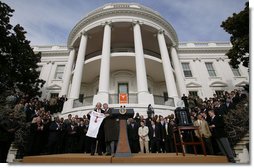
x,y
242,144
239,147
245,139
17,160
237,152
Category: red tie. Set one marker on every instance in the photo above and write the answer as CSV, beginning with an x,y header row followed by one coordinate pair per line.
x,y
96,119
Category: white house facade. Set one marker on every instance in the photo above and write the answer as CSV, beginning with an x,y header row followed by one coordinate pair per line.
x,y
127,54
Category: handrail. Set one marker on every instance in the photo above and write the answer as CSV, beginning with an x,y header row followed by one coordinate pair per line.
x,y
128,50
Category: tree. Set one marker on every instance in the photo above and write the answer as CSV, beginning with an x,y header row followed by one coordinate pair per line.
x,y
18,68
238,26
18,71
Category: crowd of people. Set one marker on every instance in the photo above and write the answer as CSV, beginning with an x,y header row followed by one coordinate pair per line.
x,y
55,135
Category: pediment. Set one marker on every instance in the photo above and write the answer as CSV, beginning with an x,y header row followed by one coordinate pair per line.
x,y
193,84
54,87
218,84
241,84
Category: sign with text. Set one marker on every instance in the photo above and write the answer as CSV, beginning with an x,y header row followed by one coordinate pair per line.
x,y
123,98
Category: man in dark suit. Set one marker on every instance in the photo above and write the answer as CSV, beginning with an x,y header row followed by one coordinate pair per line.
x,y
155,137
54,133
72,137
167,135
132,130
111,130
8,127
217,129
82,130
220,107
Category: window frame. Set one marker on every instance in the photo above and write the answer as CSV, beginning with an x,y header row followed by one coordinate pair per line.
x,y
58,72
186,70
193,91
235,71
212,71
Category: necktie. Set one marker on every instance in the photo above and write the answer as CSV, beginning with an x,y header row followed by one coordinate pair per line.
x,y
166,127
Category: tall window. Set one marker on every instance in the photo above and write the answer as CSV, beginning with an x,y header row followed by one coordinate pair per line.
x,y
235,71
39,69
210,69
219,93
54,95
165,95
59,72
186,70
193,93
81,98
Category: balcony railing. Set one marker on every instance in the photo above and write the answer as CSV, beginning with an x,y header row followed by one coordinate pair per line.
x,y
161,100
86,101
132,98
128,50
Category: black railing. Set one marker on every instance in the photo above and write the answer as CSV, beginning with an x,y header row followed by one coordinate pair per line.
x,y
132,98
93,54
129,50
86,101
161,100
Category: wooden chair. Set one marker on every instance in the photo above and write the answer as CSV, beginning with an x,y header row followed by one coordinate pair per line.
x,y
178,131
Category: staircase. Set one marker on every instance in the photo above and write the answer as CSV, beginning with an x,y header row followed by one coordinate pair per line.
x,y
12,154
241,151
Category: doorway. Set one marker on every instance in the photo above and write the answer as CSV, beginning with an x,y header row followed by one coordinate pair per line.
x,y
123,91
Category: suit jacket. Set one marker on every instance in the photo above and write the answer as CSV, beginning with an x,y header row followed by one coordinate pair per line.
x,y
54,130
221,110
203,129
133,131
143,132
5,125
218,131
156,132
111,127
169,132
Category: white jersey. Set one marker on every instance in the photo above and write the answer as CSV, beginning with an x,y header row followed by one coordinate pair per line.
x,y
94,124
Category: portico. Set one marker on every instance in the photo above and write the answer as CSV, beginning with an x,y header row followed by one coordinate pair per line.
x,y
127,53
125,45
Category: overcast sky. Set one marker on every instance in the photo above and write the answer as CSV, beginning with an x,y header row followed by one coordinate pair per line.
x,y
49,22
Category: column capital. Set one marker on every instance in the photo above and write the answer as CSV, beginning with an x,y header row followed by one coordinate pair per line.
x,y
71,48
134,22
161,31
83,33
107,23
174,46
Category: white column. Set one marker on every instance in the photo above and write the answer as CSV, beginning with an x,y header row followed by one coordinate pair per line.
x,y
77,77
169,77
143,95
103,92
179,72
67,73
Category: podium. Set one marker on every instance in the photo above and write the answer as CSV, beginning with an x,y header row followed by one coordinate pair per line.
x,y
123,147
